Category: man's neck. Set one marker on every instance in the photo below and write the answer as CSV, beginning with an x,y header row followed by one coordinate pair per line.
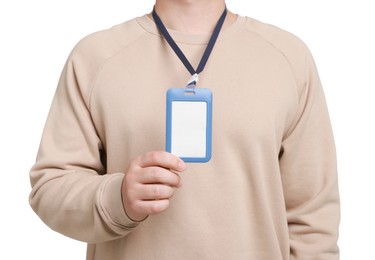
x,y
192,16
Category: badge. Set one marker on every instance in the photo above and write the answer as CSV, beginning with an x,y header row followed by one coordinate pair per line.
x,y
189,124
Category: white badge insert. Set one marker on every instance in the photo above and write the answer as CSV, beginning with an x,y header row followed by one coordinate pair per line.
x,y
189,124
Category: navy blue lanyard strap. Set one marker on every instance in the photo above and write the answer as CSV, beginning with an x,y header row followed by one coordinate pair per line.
x,y
181,55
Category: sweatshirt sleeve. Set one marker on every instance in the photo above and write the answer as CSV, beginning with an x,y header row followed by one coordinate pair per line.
x,y
71,191
309,175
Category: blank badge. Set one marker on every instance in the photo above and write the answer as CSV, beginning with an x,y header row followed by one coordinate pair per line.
x,y
189,124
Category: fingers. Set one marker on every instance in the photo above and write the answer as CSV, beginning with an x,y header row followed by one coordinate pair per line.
x,y
150,182
147,199
162,159
157,175
151,207
155,192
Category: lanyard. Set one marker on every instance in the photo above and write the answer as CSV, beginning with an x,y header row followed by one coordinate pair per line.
x,y
194,79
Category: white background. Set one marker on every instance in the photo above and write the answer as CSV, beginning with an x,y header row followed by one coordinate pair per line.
x,y
37,36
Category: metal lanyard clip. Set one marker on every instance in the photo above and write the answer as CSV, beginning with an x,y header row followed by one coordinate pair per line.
x,y
190,87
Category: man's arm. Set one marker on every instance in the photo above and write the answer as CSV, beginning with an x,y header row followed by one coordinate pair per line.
x,y
71,191
309,174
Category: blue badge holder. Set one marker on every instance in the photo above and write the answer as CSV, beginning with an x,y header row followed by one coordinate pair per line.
x,y
189,124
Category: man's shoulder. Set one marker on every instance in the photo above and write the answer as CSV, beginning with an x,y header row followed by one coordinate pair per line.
x,y
285,41
93,51
102,44
290,47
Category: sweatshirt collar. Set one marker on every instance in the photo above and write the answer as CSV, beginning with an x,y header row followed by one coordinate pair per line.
x,y
149,25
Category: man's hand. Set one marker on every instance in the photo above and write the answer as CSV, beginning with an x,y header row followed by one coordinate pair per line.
x,y
149,183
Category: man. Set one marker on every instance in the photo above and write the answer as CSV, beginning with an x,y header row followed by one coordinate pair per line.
x,y
270,189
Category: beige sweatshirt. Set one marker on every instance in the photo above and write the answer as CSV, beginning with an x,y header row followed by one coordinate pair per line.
x,y
270,190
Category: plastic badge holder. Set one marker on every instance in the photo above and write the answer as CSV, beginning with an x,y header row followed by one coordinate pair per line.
x,y
189,124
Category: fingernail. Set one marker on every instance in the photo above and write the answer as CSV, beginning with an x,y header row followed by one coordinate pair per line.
x,y
181,165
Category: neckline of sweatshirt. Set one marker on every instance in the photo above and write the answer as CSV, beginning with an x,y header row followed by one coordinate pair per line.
x,y
188,38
